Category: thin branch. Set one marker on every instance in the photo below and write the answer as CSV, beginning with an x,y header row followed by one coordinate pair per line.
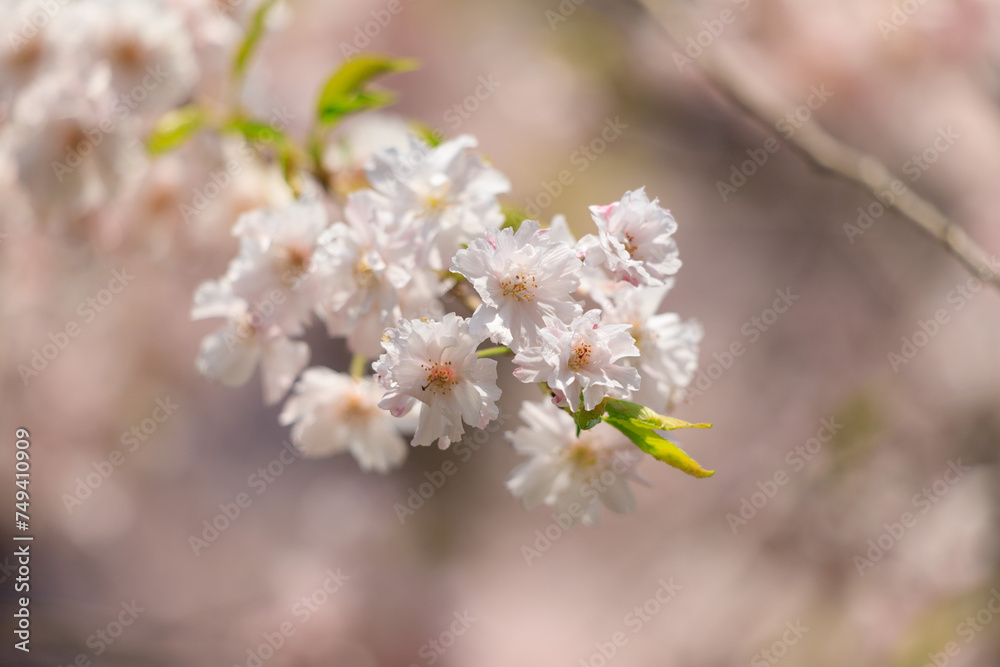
x,y
731,76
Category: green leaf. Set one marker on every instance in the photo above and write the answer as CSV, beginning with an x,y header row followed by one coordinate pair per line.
x,y
588,419
345,93
644,417
254,32
427,134
651,442
256,131
174,128
513,216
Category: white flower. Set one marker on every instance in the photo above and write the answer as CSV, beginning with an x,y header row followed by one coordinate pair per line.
x,y
26,52
581,356
634,240
354,143
668,346
214,34
249,337
448,192
369,276
573,474
333,412
436,364
595,281
521,278
275,261
145,44
72,152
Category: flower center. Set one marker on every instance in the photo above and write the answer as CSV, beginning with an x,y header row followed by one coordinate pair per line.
x,y
247,328
637,334
521,287
441,377
29,54
436,199
630,246
582,456
129,52
579,355
364,275
296,262
356,411
73,136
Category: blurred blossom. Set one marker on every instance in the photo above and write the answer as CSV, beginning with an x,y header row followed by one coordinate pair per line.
x,y
302,259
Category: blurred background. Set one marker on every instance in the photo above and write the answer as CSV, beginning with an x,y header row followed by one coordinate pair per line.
x,y
852,519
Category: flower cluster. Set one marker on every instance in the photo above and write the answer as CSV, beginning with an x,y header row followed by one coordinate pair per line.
x,y
416,272
389,238
85,84
82,81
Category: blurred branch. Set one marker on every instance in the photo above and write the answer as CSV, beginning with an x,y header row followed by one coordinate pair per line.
x,y
732,77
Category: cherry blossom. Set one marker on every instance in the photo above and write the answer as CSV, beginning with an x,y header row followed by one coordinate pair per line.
x,y
331,412
574,474
634,241
581,357
522,278
434,363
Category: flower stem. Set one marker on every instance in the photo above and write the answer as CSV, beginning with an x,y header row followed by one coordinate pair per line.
x,y
493,351
358,363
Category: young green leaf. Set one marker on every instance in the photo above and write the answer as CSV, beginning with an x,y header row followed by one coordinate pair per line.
x,y
644,417
513,216
345,92
427,134
257,132
651,442
254,32
588,419
174,128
